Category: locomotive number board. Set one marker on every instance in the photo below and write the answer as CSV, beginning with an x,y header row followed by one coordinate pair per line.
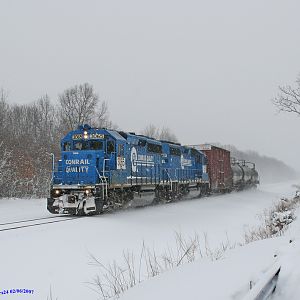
x,y
81,136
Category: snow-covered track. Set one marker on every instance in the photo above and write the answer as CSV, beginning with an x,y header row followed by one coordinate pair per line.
x,y
33,222
29,220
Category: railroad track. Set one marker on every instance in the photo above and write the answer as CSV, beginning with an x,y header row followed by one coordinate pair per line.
x,y
34,222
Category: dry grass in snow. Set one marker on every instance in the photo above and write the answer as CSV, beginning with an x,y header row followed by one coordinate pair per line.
x,y
115,278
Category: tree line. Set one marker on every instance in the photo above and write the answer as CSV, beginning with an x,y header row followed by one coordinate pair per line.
x,y
31,132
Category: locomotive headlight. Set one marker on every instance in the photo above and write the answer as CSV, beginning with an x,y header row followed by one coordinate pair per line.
x,y
57,192
87,192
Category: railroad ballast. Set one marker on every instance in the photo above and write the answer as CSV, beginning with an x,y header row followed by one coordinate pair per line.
x,y
103,169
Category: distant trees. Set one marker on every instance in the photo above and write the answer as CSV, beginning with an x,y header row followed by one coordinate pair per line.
x,y
29,133
288,100
163,133
270,169
5,162
167,135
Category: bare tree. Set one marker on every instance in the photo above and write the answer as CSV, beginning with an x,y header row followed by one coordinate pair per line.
x,y
3,110
151,131
79,105
167,135
164,133
101,119
46,122
5,171
288,100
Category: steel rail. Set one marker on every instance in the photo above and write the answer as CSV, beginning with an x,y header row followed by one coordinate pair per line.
x,y
35,224
30,220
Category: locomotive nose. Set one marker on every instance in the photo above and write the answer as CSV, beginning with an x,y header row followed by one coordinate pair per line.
x,y
79,168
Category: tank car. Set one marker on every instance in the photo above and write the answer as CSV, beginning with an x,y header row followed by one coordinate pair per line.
x,y
244,174
226,173
107,169
237,176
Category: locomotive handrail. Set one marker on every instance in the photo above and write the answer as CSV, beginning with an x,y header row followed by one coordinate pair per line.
x,y
53,167
105,179
169,179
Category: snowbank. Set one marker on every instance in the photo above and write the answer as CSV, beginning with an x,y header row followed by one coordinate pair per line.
x,y
230,277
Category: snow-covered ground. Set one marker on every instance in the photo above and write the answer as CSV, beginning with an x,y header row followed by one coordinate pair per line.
x,y
229,277
22,209
59,254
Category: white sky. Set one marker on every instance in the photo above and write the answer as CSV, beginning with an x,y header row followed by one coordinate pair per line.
x,y
206,69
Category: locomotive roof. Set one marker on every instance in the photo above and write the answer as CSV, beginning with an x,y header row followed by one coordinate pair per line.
x,y
172,143
112,133
116,135
148,139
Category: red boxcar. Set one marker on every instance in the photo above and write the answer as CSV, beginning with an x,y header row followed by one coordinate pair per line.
x,y
219,167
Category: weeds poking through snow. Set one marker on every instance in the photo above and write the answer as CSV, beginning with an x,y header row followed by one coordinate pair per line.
x,y
115,278
50,296
275,221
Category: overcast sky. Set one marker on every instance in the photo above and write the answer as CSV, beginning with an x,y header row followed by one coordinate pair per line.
x,y
206,69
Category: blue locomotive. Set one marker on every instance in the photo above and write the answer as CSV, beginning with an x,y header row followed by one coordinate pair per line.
x,y
103,169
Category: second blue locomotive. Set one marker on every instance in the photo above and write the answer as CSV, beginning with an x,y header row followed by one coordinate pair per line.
x,y
107,169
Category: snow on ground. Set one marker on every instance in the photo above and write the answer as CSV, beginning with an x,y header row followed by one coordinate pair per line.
x,y
288,287
58,254
22,209
229,277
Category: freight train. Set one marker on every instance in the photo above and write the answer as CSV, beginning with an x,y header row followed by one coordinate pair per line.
x,y
102,169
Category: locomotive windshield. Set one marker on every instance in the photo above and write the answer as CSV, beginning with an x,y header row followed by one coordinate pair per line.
x,y
96,145
83,145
